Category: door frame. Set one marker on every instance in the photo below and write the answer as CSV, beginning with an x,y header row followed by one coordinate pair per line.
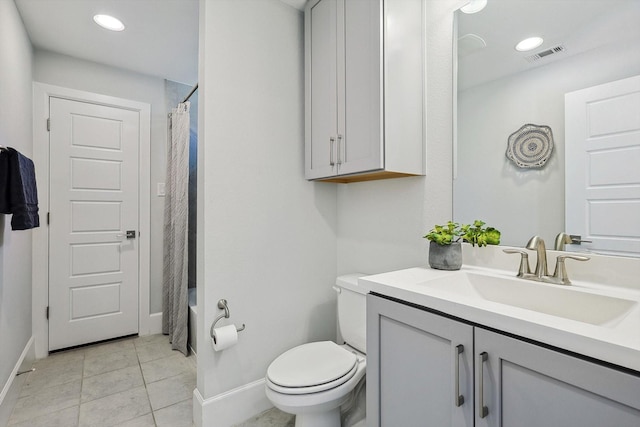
x,y
40,237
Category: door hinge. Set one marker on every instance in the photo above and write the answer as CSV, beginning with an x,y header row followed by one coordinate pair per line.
x,y
48,124
47,312
48,218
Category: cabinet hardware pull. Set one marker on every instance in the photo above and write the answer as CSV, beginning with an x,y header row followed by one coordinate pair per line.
x,y
331,142
339,149
483,411
459,399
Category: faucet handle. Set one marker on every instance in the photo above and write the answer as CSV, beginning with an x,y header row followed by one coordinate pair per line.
x,y
524,261
560,272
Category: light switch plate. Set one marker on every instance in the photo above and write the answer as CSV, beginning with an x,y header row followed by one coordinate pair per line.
x,y
161,189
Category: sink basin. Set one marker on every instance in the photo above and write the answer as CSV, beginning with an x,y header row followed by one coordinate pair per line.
x,y
566,302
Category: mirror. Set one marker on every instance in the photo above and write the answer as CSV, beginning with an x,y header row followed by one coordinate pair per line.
x,y
499,89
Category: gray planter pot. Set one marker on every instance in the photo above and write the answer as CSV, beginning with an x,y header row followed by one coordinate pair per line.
x,y
447,257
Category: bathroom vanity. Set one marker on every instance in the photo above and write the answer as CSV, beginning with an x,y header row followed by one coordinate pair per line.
x,y
481,347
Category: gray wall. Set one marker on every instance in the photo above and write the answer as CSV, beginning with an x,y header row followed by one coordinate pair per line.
x,y
73,73
267,237
381,223
271,242
16,64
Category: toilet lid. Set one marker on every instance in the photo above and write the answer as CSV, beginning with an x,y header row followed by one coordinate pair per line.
x,y
311,365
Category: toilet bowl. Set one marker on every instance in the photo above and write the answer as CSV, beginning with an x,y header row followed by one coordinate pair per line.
x,y
314,380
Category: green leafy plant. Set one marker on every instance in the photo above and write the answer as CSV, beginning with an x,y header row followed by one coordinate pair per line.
x,y
476,234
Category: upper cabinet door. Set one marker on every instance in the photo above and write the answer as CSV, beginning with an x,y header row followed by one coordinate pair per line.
x,y
360,146
321,115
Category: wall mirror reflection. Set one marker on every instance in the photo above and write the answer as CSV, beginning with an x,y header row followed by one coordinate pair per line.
x,y
586,44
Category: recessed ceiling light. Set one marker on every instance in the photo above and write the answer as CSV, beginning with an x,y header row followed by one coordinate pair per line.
x,y
528,44
109,22
474,6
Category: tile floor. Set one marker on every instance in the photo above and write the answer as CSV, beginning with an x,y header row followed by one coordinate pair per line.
x,y
132,382
271,418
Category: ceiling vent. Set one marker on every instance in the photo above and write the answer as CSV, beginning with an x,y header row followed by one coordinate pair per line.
x,y
545,53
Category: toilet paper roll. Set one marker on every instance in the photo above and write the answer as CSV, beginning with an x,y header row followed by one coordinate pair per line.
x,y
224,337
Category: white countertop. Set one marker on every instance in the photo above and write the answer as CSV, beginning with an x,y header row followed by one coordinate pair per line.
x,y
616,342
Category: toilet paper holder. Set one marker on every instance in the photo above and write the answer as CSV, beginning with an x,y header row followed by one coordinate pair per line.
x,y
223,305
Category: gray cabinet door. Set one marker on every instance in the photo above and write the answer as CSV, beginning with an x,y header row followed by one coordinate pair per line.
x,y
414,368
526,385
323,47
360,147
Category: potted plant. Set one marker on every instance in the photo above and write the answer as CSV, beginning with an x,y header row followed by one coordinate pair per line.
x,y
445,250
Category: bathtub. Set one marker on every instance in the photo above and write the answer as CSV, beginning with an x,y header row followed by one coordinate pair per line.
x,y
193,320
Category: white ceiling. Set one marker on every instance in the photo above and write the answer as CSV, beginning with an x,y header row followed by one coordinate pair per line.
x,y
579,25
160,39
298,4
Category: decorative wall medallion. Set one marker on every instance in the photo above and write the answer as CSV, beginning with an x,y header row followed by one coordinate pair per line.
x,y
530,146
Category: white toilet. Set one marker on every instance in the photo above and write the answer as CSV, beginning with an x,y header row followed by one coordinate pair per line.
x,y
314,380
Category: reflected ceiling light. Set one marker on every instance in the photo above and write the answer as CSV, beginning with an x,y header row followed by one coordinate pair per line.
x,y
474,6
470,43
528,44
109,22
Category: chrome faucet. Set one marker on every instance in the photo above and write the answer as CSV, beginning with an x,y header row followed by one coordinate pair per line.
x,y
537,244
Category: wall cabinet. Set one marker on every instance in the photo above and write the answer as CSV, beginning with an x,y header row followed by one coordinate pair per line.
x,y
364,89
415,374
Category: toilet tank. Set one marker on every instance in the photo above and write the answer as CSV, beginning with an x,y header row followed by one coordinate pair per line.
x,y
352,311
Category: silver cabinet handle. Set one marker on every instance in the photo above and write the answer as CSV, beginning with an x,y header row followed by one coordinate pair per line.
x,y
483,411
339,149
332,140
458,398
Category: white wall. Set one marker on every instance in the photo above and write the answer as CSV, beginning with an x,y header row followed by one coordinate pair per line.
x,y
16,64
381,223
519,202
73,73
267,237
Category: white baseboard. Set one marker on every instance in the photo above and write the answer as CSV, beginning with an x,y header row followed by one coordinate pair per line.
x,y
232,407
13,386
155,323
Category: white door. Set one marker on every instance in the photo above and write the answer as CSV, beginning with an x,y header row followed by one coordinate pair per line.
x,y
602,189
93,264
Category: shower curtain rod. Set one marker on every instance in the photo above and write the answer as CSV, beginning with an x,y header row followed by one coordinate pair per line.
x,y
195,88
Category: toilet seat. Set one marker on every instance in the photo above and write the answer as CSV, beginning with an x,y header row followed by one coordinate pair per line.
x,y
311,368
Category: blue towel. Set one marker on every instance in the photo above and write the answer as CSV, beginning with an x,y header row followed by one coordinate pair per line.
x,y
18,190
4,182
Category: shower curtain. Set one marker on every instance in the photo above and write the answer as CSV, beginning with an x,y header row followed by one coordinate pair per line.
x,y
175,266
